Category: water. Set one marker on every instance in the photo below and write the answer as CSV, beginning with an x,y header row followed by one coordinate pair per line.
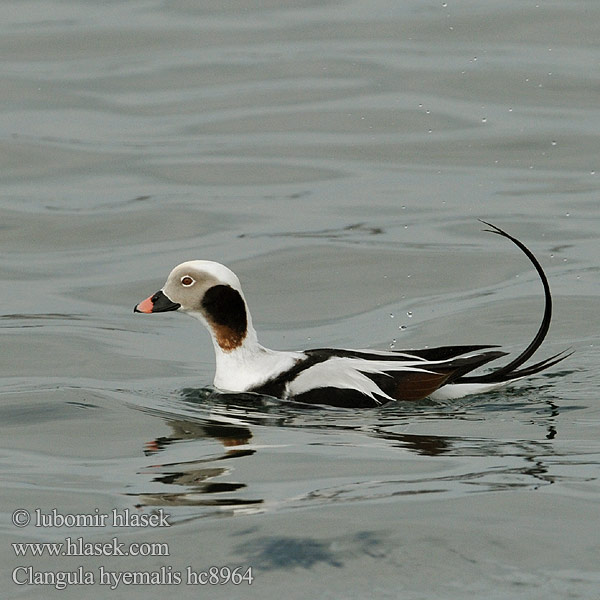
x,y
336,155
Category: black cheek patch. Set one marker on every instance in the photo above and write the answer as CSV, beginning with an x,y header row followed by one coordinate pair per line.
x,y
225,310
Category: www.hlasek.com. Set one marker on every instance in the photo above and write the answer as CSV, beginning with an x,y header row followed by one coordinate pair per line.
x,y
77,546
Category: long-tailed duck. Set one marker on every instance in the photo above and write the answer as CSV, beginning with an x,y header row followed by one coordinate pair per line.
x,y
212,293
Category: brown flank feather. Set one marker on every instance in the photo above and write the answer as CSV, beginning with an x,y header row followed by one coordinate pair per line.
x,y
418,385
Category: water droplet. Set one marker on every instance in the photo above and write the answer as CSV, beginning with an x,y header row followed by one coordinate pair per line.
x,y
567,214
403,327
391,315
553,142
484,120
393,343
409,314
444,4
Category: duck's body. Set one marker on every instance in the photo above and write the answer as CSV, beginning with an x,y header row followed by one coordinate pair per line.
x,y
212,293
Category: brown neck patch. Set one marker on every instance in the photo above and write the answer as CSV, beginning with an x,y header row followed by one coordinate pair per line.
x,y
227,338
225,311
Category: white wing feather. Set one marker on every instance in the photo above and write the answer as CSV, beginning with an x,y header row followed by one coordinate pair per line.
x,y
349,373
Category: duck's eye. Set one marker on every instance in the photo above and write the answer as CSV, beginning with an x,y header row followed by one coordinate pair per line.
x,y
186,281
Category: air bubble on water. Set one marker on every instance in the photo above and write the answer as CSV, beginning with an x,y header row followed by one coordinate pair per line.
x,y
393,344
553,142
391,315
409,314
484,120
403,327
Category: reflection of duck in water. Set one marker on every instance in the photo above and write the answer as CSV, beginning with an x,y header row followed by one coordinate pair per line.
x,y
223,460
230,436
212,293
198,476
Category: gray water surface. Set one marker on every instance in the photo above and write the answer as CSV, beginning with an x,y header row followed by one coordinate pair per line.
x,y
336,156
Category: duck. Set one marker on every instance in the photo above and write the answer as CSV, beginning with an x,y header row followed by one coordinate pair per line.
x,y
211,293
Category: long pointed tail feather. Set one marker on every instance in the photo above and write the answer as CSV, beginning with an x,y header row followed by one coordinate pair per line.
x,y
539,366
510,371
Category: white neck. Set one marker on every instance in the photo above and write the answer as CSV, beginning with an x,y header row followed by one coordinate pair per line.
x,y
248,365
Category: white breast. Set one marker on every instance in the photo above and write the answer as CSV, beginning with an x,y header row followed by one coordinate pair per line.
x,y
243,369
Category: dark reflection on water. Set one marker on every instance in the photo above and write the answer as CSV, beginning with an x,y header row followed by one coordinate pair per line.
x,y
197,476
283,552
230,419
